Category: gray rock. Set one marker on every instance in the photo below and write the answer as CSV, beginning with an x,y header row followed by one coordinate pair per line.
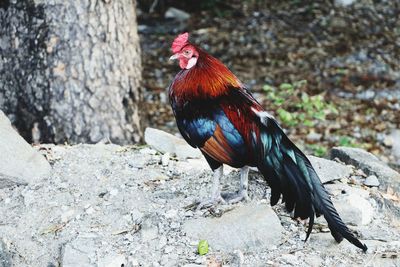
x,y
252,226
371,180
313,136
370,164
113,260
80,252
165,142
314,260
395,134
5,256
22,164
344,3
329,170
354,209
174,13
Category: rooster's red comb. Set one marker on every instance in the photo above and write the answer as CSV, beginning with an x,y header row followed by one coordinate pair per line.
x,y
180,42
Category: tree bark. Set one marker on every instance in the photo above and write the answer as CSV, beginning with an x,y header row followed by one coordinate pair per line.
x,y
71,69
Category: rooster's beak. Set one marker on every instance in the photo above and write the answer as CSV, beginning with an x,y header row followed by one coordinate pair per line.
x,y
173,57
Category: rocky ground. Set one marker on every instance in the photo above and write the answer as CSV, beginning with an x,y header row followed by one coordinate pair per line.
x,y
109,205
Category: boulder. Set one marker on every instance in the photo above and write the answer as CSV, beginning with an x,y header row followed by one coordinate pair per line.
x,y
370,164
251,226
167,143
19,163
354,209
329,170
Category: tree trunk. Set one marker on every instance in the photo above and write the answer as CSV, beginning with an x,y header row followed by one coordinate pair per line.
x,y
70,69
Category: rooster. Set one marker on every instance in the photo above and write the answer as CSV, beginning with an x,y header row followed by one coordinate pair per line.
x,y
217,114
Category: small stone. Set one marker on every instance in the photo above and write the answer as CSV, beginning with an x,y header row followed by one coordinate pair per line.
x,y
238,258
149,233
168,249
136,215
165,159
66,216
201,260
313,260
395,134
133,262
388,141
5,255
313,136
344,3
371,180
79,252
360,172
162,242
174,13
90,210
113,192
113,260
171,214
289,258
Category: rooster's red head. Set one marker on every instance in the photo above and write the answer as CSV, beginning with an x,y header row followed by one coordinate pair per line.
x,y
185,52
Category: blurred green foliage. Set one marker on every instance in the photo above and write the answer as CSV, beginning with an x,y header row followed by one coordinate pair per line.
x,y
295,107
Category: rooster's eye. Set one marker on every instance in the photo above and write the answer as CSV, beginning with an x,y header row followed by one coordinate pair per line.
x,y
186,52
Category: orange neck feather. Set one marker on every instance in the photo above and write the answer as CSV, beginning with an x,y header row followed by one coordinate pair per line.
x,y
208,79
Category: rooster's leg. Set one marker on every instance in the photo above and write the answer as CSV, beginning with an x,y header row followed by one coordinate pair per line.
x,y
216,191
242,194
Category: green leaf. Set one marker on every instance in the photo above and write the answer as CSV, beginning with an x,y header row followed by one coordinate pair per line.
x,y
318,150
285,116
300,83
202,247
286,87
305,98
279,101
308,123
268,88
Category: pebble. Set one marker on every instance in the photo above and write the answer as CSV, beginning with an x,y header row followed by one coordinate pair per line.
x,y
371,181
90,210
162,242
165,159
133,262
169,249
388,141
171,214
313,136
114,192
68,215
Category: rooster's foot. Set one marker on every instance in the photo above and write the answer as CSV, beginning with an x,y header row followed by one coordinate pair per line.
x,y
213,201
232,198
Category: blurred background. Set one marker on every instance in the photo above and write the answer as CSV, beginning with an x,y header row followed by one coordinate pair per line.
x,y
328,70
98,71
